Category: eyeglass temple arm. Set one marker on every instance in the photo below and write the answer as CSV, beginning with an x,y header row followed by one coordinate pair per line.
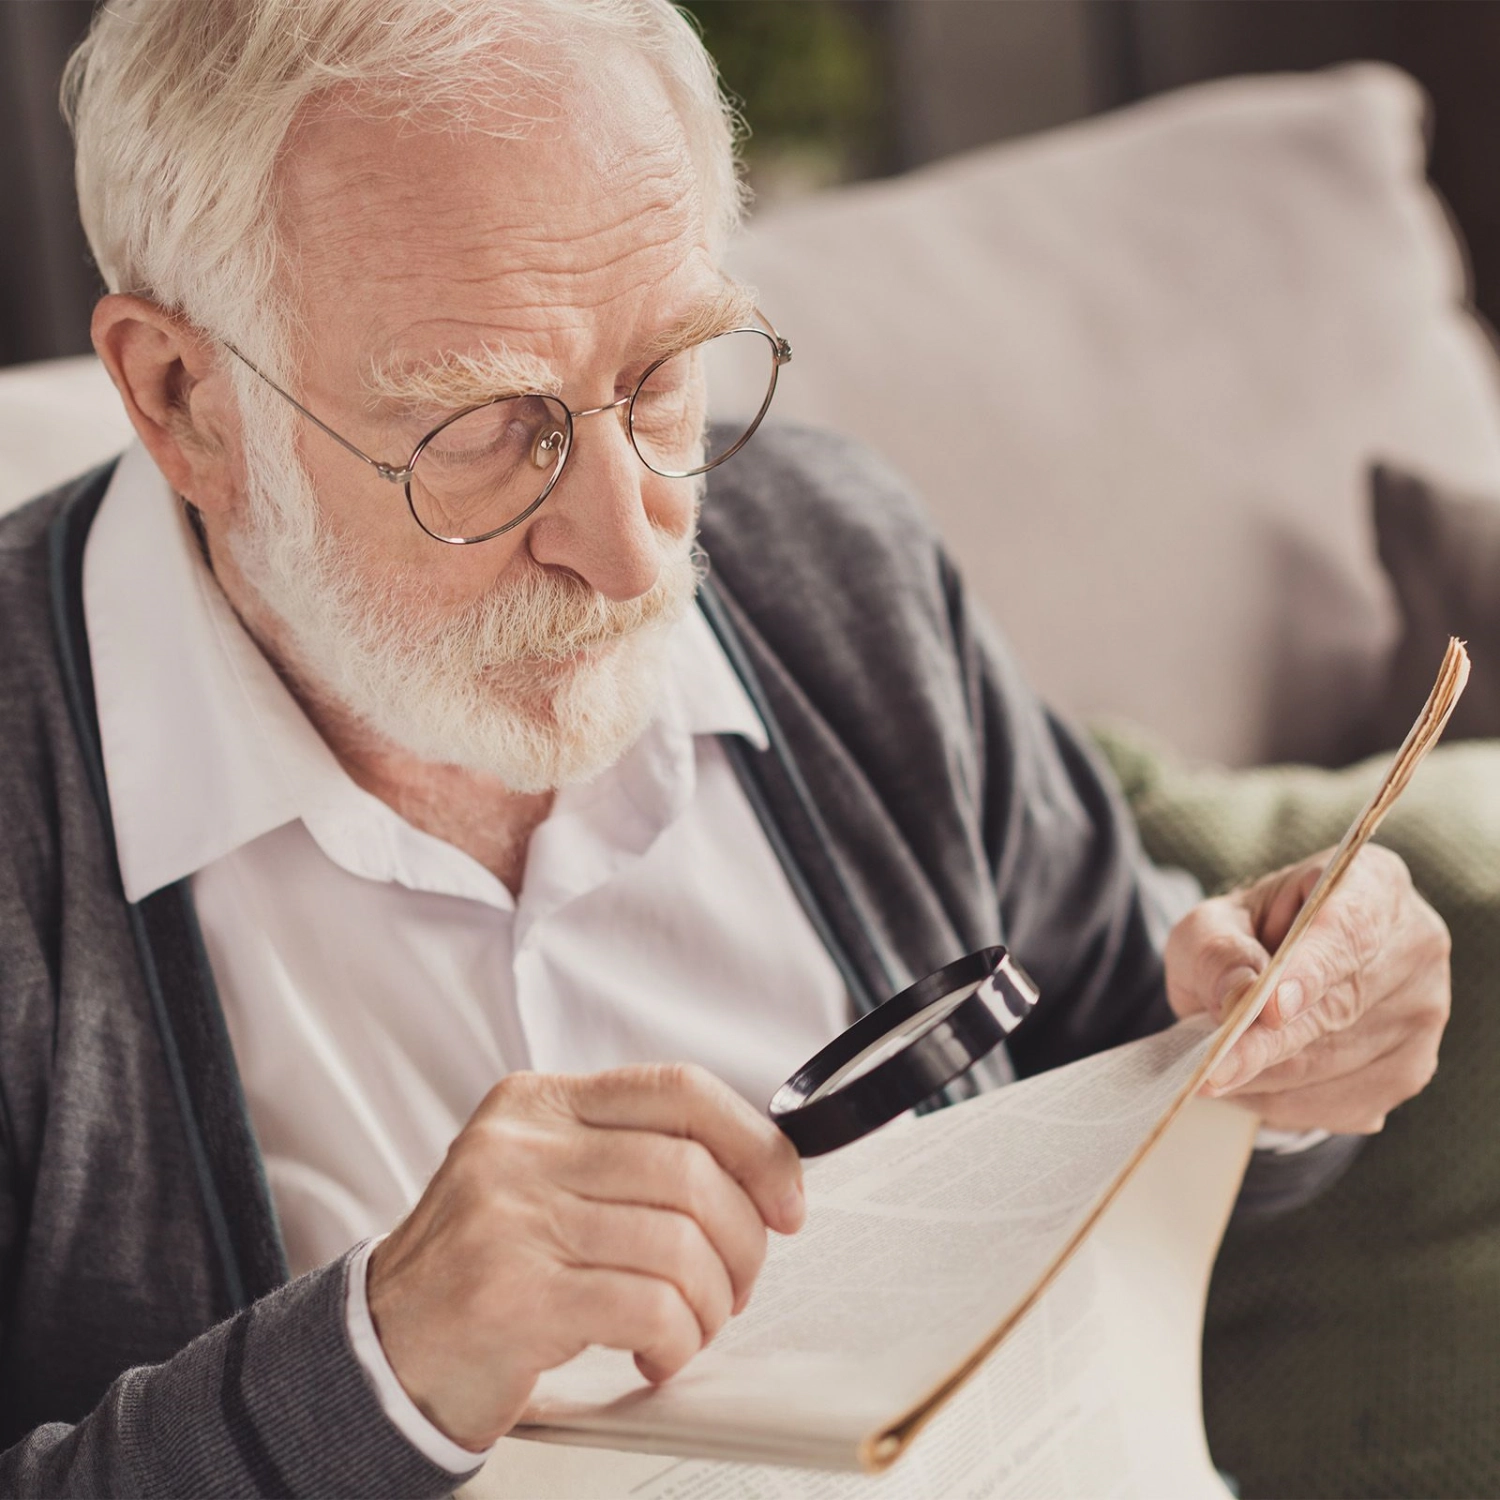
x,y
782,347
386,471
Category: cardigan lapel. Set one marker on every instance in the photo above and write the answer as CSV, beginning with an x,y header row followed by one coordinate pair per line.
x,y
195,1042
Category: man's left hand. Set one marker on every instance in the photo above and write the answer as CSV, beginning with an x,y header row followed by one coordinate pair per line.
x,y
1353,1027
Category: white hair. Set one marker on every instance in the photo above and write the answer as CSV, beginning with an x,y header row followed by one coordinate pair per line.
x,y
180,110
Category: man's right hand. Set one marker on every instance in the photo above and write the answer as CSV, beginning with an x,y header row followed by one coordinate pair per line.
x,y
626,1208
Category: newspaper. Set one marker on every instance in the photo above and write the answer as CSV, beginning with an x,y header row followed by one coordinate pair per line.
x,y
1094,1394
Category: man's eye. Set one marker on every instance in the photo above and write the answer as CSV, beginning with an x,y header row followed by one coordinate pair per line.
x,y
485,436
659,393
673,379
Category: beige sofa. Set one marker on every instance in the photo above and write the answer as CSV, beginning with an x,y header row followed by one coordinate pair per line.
x,y
1138,367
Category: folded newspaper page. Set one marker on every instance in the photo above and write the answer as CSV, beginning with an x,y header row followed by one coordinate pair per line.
x,y
927,1243
1097,1393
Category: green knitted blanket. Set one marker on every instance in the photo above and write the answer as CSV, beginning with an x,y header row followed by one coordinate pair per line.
x,y
1352,1348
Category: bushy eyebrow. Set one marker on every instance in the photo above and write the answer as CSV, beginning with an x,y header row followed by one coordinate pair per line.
x,y
452,381
729,306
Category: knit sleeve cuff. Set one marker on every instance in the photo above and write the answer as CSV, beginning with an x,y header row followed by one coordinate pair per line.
x,y
1286,1175
428,1439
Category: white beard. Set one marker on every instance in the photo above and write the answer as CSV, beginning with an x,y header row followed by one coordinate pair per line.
x,y
496,686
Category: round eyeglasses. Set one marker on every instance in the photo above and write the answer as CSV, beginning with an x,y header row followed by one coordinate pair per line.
x,y
485,469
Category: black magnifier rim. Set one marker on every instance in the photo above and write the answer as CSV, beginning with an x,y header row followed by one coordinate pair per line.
x,y
910,1075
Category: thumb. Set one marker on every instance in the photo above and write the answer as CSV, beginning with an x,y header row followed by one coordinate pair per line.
x,y
1211,957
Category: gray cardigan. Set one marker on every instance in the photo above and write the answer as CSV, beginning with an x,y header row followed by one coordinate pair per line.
x,y
923,801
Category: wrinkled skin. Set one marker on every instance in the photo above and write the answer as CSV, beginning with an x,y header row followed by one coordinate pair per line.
x,y
1353,1028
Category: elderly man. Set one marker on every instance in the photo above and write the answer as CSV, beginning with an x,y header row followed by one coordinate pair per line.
x,y
406,834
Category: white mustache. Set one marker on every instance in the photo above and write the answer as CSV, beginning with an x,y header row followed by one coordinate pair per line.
x,y
544,618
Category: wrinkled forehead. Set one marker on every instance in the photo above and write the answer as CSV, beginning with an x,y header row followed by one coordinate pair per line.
x,y
574,220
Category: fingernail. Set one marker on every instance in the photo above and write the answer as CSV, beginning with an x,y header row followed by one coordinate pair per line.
x,y
793,1208
1223,1076
1231,985
1290,998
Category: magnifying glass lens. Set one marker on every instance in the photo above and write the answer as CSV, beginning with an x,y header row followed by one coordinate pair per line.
x,y
899,1037
904,1052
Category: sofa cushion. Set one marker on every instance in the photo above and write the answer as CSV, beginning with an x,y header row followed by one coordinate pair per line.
x,y
1441,549
1352,1347
1139,366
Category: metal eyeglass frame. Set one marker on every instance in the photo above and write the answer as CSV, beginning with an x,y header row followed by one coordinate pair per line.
x,y
781,353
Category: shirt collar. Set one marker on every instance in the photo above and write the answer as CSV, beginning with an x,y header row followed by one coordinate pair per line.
x,y
204,747
713,698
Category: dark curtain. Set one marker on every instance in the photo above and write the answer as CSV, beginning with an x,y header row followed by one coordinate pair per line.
x,y
47,281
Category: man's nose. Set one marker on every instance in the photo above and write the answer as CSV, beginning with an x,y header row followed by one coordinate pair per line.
x,y
601,519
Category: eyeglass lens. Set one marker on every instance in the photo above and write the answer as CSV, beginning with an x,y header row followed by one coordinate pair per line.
x,y
491,465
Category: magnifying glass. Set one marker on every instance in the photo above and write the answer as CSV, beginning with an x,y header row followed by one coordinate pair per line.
x,y
904,1052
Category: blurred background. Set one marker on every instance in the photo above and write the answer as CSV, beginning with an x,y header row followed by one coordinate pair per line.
x,y
837,90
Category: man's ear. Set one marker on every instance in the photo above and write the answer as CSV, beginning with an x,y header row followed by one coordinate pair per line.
x,y
176,394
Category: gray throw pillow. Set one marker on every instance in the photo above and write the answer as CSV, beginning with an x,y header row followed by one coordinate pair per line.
x,y
1441,550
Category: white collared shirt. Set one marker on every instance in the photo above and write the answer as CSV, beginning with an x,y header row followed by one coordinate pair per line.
x,y
376,980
